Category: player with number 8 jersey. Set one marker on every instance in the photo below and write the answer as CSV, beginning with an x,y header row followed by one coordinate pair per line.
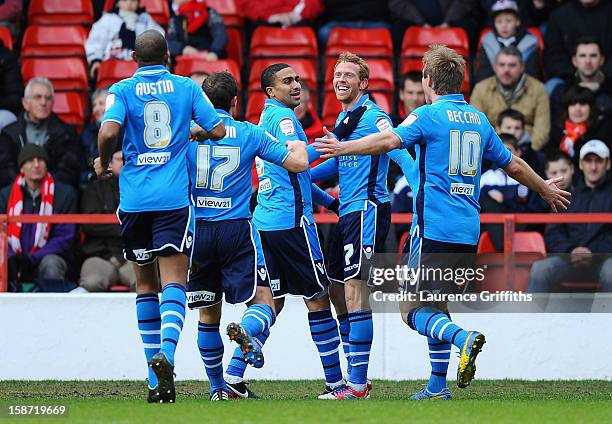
x,y
155,109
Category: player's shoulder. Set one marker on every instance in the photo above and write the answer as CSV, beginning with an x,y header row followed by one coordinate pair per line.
x,y
374,115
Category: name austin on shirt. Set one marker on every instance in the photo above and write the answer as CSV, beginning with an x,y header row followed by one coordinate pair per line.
x,y
154,88
463,117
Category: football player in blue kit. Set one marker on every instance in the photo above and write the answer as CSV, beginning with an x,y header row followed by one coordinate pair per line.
x,y
451,139
155,109
285,222
227,257
365,217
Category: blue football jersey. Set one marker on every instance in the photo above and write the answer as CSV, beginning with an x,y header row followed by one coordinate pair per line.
x,y
155,107
363,178
220,171
284,197
451,138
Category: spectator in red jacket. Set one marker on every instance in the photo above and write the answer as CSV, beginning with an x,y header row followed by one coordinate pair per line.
x,y
284,12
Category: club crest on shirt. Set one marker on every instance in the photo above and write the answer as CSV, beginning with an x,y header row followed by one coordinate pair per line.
x,y
383,124
409,120
110,101
286,126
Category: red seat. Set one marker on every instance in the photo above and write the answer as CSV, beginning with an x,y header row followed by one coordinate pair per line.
x,y
70,107
60,12
54,40
528,247
67,73
187,65
288,42
6,37
235,46
418,39
111,71
331,110
229,11
158,9
383,99
255,105
375,42
302,67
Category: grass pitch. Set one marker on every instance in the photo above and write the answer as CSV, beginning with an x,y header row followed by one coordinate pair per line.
x,y
295,402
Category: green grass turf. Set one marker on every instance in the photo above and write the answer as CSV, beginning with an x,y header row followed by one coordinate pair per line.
x,y
295,402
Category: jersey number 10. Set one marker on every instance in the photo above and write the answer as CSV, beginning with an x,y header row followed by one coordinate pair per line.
x,y
464,152
218,174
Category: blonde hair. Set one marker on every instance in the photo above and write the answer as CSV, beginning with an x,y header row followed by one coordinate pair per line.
x,y
445,67
364,69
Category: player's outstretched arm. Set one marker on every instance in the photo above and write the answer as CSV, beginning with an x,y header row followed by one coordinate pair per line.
x,y
107,140
297,161
370,145
553,195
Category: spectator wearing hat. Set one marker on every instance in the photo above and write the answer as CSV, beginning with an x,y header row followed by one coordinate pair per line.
x,y
507,31
38,251
512,88
581,251
37,124
104,264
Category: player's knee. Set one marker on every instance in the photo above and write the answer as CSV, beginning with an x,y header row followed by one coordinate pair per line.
x,y
211,315
318,304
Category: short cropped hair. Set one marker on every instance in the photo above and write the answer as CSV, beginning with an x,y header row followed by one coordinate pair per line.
x,y
38,81
221,88
364,68
510,51
512,114
269,74
555,156
446,68
509,139
414,76
586,39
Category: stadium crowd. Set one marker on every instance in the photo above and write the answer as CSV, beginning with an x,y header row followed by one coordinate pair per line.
x,y
538,70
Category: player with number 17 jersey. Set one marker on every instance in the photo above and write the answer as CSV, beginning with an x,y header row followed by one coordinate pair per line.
x,y
151,107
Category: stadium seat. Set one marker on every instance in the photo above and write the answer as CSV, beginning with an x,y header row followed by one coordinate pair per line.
x,y
235,46
383,99
229,11
158,9
255,105
53,40
528,247
331,110
6,37
186,65
375,42
381,75
68,73
60,12
303,68
111,71
269,41
418,39
70,107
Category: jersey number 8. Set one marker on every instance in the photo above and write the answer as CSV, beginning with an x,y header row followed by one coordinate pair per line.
x,y
232,155
464,150
157,132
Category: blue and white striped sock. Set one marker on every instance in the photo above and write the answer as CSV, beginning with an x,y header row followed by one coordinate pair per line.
x,y
149,324
431,322
258,318
324,332
344,327
439,355
361,334
172,311
211,351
